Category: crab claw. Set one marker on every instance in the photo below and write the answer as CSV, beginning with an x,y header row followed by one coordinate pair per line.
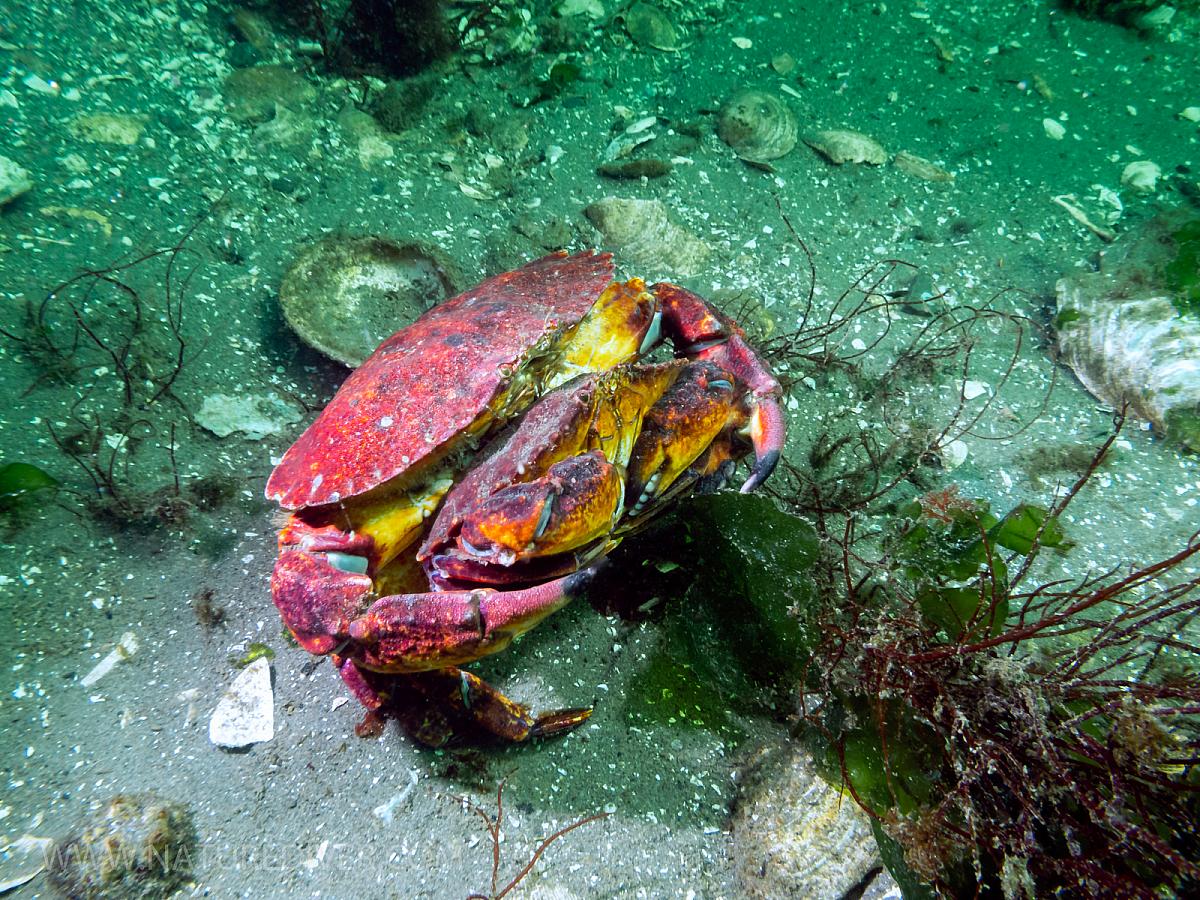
x,y
700,332
418,632
767,433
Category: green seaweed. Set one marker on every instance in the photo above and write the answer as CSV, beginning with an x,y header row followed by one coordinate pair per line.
x,y
739,631
1183,272
20,479
253,652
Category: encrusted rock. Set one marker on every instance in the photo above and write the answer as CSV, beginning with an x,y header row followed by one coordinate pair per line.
x,y
135,847
108,128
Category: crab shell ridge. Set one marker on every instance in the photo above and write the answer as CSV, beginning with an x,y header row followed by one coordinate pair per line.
x,y
425,385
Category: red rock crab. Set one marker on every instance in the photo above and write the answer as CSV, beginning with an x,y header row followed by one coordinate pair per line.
x,y
603,443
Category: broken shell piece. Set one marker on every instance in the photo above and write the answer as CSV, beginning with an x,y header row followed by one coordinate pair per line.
x,y
758,125
245,714
1126,330
649,26
919,167
1054,129
344,295
253,417
842,145
645,234
1141,176
125,648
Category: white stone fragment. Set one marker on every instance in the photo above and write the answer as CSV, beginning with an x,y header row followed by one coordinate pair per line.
x,y
14,180
253,417
1190,114
1054,129
973,389
245,714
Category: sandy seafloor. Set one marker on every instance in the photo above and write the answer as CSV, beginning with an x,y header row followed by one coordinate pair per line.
x,y
293,817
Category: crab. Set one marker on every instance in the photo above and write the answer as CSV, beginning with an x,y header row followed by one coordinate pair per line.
x,y
409,552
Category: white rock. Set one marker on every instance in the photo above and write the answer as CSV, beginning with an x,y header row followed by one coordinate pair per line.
x,y
1190,114
1141,176
14,180
254,417
245,714
1054,129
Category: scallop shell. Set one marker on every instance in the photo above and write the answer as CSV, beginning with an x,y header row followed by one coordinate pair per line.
x,y
344,295
643,232
1125,334
841,145
759,126
649,26
795,835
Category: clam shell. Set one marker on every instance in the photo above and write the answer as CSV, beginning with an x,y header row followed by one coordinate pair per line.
x,y
758,125
649,26
841,145
1124,334
644,233
344,295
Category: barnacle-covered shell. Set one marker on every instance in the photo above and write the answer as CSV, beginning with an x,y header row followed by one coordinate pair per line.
x,y
344,295
645,234
758,125
841,145
1131,332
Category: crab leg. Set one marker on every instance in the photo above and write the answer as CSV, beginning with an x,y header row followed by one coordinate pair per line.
x,y
431,630
700,332
425,701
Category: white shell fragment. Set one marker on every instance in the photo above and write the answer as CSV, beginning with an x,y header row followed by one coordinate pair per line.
x,y
14,180
1054,129
1126,336
125,648
645,234
758,125
245,714
253,417
842,145
1141,176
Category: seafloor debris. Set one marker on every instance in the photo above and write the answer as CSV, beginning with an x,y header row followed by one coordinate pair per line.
x,y
344,295
794,835
245,714
841,145
920,167
134,846
253,417
125,648
1131,332
649,27
758,125
1141,176
646,236
108,128
14,180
